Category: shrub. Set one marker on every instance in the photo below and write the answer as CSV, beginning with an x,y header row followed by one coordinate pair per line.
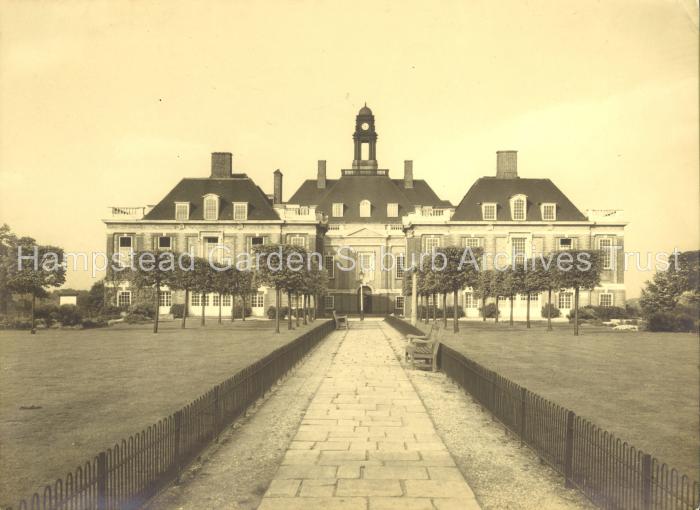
x,y
450,312
605,313
136,318
585,313
94,323
553,310
49,313
490,311
111,312
237,311
16,324
675,321
271,312
178,310
145,309
69,315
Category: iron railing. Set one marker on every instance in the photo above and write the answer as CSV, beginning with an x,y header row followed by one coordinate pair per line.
x,y
612,473
127,475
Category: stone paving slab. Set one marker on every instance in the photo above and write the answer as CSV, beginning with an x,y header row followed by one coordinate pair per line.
x,y
366,441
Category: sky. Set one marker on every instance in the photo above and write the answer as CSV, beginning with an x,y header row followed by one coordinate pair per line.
x,y
112,102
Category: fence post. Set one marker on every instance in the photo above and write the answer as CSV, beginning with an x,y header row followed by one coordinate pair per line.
x,y
177,440
492,379
569,451
523,393
102,481
646,482
217,410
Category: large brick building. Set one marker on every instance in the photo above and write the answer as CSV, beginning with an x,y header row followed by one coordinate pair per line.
x,y
363,214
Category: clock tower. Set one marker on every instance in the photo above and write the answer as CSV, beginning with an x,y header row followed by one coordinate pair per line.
x,y
365,138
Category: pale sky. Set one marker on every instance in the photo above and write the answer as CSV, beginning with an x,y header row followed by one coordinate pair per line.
x,y
112,103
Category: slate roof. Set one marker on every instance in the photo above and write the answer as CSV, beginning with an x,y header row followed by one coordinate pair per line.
x,y
538,191
239,188
380,190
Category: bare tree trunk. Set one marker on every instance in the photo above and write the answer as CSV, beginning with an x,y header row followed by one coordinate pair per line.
x,y
243,305
289,303
510,321
455,312
184,310
434,308
497,309
277,310
575,311
549,309
233,307
203,296
219,307
527,318
444,310
298,310
157,309
483,308
33,330
305,298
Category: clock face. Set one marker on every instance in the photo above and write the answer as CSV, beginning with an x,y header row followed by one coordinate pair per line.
x,y
364,126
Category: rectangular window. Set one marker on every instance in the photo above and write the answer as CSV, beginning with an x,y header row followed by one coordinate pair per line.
x,y
329,302
365,209
399,304
166,298
566,244
164,243
518,209
212,249
366,266
605,299
565,300
392,210
195,300
125,250
257,300
549,212
182,211
605,245
329,265
124,299
470,301
489,212
430,243
215,300
240,211
338,210
518,244
297,241
226,300
400,265
472,242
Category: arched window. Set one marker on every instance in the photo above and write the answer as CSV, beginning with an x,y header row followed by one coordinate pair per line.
x,y
518,207
365,209
211,207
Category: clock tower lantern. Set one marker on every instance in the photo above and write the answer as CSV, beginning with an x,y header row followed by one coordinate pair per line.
x,y
365,138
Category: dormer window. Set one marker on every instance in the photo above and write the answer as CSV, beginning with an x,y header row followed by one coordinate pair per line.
x,y
488,211
182,211
240,211
211,207
549,212
338,210
518,207
365,209
392,210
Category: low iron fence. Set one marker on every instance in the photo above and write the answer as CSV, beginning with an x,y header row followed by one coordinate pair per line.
x,y
129,474
612,473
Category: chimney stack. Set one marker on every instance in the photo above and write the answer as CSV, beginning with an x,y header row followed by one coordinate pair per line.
x,y
221,165
277,193
408,174
321,179
506,164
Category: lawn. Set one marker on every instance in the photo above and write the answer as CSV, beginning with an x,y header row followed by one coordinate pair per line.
x,y
643,387
94,387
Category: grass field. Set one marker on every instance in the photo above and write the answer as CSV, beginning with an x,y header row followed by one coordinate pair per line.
x,y
95,387
643,387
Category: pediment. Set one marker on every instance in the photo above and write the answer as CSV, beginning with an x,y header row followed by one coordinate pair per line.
x,y
365,232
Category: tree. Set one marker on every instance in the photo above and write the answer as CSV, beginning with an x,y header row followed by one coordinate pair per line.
x,y
225,282
665,290
8,255
537,279
204,276
247,285
484,289
578,269
32,269
95,300
184,278
153,269
460,271
499,287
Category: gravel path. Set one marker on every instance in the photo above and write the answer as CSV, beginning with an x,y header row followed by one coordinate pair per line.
x,y
501,472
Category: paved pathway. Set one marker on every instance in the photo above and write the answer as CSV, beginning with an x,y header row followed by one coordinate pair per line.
x,y
366,441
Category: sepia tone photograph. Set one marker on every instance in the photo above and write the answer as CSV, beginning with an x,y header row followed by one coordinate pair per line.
x,y
369,255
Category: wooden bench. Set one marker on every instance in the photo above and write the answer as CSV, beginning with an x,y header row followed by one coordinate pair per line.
x,y
341,321
423,348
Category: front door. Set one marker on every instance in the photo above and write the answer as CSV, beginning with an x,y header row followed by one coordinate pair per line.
x,y
366,299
